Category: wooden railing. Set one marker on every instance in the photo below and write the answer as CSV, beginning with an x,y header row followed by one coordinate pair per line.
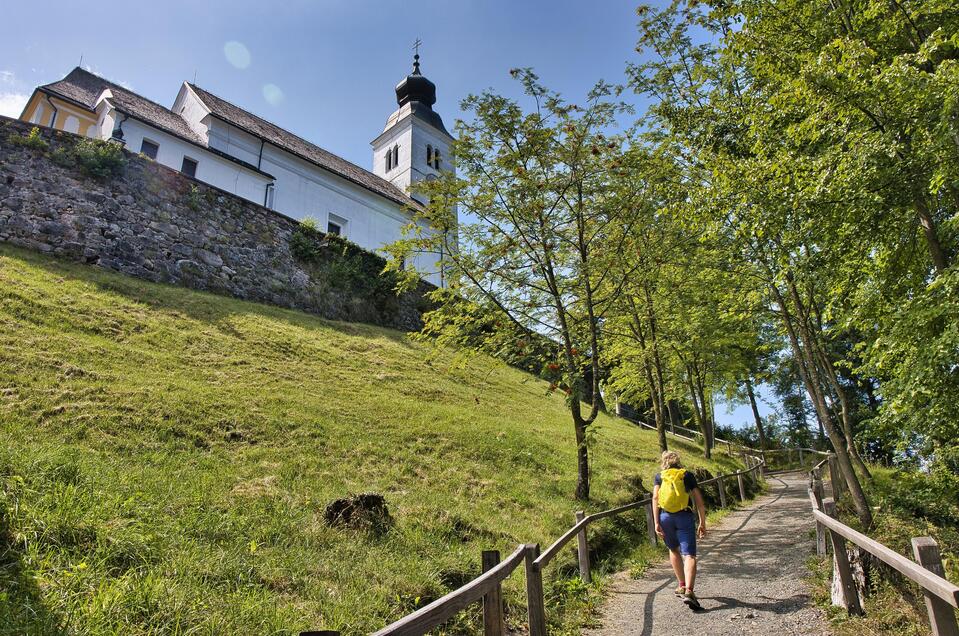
x,y
488,586
941,596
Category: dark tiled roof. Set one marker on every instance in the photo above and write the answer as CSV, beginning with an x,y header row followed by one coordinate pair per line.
x,y
286,140
83,87
80,86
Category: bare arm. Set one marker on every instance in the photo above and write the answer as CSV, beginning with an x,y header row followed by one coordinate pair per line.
x,y
659,529
701,509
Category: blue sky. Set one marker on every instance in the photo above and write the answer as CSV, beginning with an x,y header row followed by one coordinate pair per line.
x,y
324,69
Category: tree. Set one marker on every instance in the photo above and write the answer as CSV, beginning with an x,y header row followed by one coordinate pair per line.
x,y
745,195
546,196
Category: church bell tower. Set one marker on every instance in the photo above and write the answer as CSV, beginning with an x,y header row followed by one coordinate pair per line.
x,y
415,145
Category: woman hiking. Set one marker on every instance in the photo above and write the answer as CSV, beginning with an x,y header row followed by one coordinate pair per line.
x,y
675,522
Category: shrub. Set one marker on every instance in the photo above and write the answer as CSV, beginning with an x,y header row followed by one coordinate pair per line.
x,y
99,159
345,264
33,140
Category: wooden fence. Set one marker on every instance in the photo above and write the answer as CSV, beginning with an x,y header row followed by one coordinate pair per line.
x,y
488,586
941,596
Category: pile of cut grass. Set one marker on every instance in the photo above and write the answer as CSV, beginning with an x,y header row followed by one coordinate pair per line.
x,y
167,457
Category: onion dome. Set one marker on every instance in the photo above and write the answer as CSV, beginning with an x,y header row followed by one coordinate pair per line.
x,y
420,94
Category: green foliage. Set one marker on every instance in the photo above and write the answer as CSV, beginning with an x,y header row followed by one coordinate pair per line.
x,y
167,457
99,159
34,140
470,327
345,264
194,200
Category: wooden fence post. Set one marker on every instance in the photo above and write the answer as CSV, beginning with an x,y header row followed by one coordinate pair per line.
x,y
722,491
534,592
942,618
816,500
583,549
650,524
493,622
800,457
742,487
841,567
836,478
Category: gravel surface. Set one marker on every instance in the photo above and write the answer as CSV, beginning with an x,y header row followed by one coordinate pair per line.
x,y
750,580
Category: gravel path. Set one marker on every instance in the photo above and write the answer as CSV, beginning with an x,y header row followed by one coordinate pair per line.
x,y
750,578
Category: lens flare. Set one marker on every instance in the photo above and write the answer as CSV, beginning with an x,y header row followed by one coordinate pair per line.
x,y
236,54
272,94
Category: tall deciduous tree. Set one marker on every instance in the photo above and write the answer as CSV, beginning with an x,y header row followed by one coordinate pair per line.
x,y
540,186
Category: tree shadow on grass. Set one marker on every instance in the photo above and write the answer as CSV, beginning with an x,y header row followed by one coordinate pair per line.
x,y
22,610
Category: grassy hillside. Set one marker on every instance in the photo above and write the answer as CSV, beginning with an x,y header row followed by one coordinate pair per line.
x,y
167,457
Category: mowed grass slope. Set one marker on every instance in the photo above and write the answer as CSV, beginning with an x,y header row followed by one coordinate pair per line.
x,y
167,457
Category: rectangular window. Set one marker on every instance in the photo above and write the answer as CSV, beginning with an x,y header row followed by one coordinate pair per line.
x,y
336,225
189,167
270,194
149,148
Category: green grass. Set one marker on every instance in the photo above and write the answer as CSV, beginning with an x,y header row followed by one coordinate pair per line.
x,y
167,457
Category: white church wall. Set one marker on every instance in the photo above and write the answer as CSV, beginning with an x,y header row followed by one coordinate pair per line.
x,y
212,169
188,106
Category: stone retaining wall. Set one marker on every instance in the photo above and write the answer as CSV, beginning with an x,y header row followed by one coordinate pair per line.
x,y
157,224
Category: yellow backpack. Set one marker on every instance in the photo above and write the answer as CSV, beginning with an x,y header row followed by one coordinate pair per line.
x,y
672,491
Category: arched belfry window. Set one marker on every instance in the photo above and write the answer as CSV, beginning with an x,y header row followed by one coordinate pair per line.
x,y
429,155
389,160
396,155
436,158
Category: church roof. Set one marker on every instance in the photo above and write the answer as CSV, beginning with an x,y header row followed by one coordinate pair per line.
x,y
285,140
83,88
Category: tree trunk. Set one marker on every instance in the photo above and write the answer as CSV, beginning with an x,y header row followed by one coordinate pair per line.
x,y
657,362
698,414
845,416
813,387
675,417
759,421
939,259
582,455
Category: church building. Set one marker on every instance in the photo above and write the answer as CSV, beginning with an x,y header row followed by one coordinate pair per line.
x,y
208,138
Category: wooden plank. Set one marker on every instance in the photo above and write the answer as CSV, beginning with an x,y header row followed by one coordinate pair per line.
x,y
722,491
651,524
942,618
596,516
937,585
493,621
535,604
582,548
557,545
442,609
742,487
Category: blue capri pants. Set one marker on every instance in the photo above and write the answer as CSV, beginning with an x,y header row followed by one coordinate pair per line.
x,y
679,531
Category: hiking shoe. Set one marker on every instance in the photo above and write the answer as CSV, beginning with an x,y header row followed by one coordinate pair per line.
x,y
680,591
689,598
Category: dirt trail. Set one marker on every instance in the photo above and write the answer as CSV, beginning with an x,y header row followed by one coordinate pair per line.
x,y
750,578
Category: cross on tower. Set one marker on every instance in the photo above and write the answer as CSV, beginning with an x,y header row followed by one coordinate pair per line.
x,y
416,55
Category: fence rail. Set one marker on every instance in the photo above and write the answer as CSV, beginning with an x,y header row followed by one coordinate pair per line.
x,y
488,586
941,596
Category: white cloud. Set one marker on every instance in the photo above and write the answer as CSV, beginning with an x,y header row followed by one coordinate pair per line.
x,y
7,77
11,104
